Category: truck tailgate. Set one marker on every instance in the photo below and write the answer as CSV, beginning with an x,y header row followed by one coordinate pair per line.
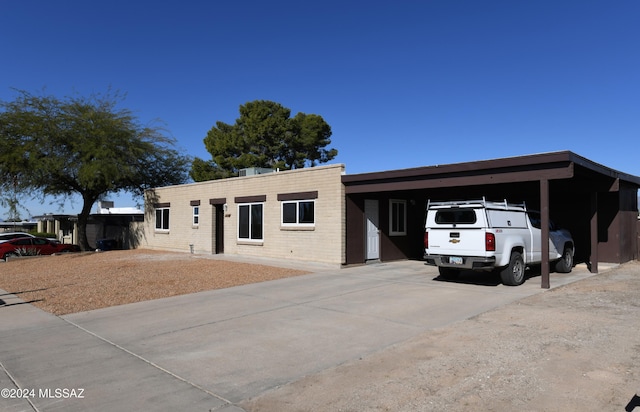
x,y
456,242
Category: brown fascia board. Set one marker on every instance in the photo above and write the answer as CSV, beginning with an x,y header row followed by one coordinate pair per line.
x,y
515,169
470,179
460,167
560,164
603,170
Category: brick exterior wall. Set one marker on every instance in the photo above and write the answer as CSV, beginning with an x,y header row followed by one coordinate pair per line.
x,y
324,242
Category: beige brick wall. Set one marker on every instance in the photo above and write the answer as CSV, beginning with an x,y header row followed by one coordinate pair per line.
x,y
322,243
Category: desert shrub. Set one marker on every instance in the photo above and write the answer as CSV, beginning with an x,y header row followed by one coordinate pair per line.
x,y
27,251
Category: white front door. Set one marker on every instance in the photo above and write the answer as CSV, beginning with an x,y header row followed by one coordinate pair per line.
x,y
373,231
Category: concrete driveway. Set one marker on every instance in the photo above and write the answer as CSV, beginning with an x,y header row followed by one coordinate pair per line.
x,y
211,350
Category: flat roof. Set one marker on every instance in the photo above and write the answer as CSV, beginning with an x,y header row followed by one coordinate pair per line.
x,y
552,165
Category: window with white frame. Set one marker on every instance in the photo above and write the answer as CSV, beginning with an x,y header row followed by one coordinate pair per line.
x,y
196,215
250,221
162,218
397,217
298,213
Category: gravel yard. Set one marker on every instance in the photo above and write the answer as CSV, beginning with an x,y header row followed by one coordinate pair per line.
x,y
79,282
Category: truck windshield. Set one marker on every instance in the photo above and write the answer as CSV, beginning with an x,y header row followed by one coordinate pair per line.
x,y
456,216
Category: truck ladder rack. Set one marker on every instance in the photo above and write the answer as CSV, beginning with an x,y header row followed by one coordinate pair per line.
x,y
503,205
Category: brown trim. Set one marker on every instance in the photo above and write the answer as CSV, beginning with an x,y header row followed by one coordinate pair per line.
x,y
452,180
161,205
508,167
298,196
218,201
531,162
251,199
194,203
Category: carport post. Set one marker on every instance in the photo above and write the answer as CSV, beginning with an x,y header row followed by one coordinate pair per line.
x,y
544,238
593,268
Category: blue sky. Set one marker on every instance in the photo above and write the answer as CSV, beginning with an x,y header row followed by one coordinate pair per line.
x,y
402,84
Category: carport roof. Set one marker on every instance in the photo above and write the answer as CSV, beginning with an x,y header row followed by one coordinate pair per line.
x,y
551,166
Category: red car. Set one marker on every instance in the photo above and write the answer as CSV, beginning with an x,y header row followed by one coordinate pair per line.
x,y
30,246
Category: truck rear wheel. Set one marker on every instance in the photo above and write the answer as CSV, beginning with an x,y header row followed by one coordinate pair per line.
x,y
513,274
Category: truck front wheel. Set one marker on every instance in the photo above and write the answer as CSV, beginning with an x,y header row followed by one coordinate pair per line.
x,y
513,274
565,263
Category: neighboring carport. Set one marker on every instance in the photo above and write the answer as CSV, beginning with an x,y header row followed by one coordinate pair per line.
x,y
385,210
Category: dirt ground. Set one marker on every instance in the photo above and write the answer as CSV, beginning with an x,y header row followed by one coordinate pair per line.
x,y
77,282
575,348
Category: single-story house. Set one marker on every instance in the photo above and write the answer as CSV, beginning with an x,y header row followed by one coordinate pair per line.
x,y
322,214
63,226
21,226
119,224
295,214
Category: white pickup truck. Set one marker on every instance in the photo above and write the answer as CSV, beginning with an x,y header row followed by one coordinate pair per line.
x,y
485,235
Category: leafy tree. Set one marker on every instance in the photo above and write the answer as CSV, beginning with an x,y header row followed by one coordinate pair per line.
x,y
86,146
265,135
9,199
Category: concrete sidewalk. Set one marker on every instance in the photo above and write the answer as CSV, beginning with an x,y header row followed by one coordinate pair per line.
x,y
212,350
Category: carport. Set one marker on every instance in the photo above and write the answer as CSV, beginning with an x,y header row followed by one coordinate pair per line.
x,y
385,210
